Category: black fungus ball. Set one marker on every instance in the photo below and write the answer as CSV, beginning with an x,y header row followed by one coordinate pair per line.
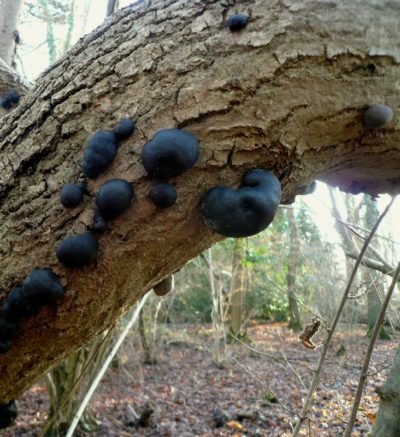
x,y
114,197
165,286
163,195
5,346
42,287
99,153
377,116
18,305
13,96
99,224
8,414
237,22
124,128
8,330
72,194
5,102
78,251
170,153
245,211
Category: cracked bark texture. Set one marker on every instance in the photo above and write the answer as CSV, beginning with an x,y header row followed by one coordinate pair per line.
x,y
287,93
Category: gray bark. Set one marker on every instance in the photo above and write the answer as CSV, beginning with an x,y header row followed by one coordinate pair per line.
x,y
287,93
9,18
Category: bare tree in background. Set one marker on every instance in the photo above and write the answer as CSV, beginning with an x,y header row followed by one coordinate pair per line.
x,y
9,37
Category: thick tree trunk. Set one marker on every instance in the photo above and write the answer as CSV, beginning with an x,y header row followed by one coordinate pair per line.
x,y
388,421
287,93
293,260
9,18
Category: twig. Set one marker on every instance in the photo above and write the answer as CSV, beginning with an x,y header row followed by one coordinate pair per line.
x,y
367,358
314,383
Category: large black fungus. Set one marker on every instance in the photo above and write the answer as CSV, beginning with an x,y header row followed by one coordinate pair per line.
x,y
165,286
9,99
237,22
78,251
5,102
124,128
8,414
99,224
114,197
42,287
99,153
13,96
18,305
377,116
245,211
72,194
163,195
170,153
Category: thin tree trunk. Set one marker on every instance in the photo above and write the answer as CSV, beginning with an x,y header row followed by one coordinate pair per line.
x,y
286,93
236,301
143,338
112,6
9,18
293,260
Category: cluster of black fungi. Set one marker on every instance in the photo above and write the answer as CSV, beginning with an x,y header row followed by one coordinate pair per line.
x,y
230,212
8,100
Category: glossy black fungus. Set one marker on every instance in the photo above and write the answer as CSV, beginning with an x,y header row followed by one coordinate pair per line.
x,y
5,102
237,22
78,251
165,286
377,116
18,305
245,211
99,224
72,194
42,287
124,128
163,195
13,96
8,330
8,414
114,197
99,153
170,153
5,346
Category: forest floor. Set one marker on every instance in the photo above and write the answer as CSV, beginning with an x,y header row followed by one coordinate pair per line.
x,y
248,394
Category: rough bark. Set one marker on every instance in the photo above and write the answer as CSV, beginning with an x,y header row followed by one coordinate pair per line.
x,y
388,420
9,18
287,93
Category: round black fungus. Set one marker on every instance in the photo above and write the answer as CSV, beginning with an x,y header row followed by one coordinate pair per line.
x,y
165,286
8,414
163,195
99,153
170,153
18,305
114,197
8,330
245,211
5,346
13,96
377,116
237,22
78,251
72,194
99,224
124,128
5,102
42,287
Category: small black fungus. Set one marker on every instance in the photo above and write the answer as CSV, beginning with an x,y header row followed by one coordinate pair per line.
x,y
42,287
99,224
245,211
165,286
8,330
124,128
13,96
237,22
99,153
5,346
170,153
72,194
18,305
78,251
377,116
114,197
163,195
5,102
8,414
